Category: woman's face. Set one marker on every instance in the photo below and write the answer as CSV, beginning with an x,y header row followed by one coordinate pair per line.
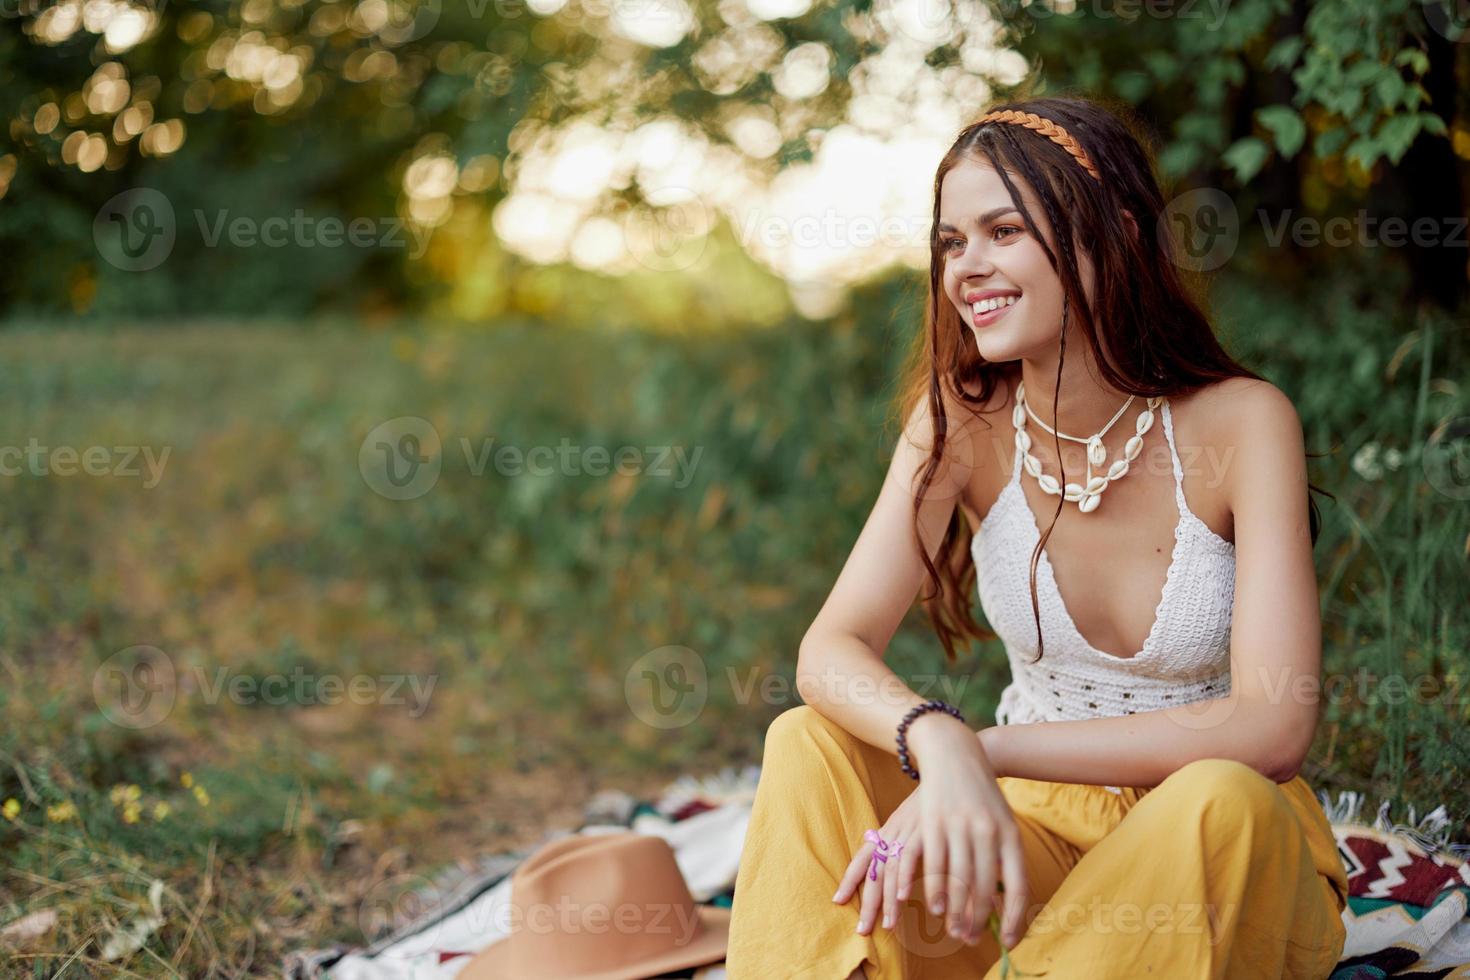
x,y
990,257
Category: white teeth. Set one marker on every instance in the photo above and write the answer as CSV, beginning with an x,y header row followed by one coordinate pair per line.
x,y
994,303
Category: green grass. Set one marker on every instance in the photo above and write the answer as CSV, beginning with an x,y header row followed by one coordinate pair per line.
x,y
528,598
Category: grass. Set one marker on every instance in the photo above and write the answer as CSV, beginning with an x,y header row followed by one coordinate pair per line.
x,y
278,818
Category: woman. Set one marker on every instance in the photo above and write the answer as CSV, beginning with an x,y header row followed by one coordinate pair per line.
x,y
1137,810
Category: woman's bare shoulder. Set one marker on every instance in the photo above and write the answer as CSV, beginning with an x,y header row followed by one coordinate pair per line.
x,y
1224,412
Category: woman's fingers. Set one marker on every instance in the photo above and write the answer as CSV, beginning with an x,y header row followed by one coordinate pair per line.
x,y
854,875
961,867
891,877
1018,891
985,841
936,865
872,900
908,863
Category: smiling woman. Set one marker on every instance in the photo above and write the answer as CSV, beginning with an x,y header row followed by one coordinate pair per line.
x,y
1161,785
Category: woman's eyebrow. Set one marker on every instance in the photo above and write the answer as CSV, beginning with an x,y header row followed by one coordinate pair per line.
x,y
985,218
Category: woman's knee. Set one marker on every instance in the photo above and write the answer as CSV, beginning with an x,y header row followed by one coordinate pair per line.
x,y
795,727
1229,787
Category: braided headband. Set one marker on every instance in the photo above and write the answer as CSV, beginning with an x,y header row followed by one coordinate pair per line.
x,y
1046,128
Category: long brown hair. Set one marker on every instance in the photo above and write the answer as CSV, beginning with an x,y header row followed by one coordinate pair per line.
x,y
1148,333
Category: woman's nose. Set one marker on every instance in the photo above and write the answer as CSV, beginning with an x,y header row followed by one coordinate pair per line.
x,y
972,263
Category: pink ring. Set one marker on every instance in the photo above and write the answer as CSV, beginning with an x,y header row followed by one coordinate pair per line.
x,y
880,852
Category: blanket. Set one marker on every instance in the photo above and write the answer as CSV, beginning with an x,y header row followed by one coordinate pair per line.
x,y
1408,913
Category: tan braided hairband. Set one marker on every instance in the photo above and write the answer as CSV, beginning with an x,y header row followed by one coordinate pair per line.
x,y
1046,128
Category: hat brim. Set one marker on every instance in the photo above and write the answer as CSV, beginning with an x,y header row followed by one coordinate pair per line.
x,y
494,962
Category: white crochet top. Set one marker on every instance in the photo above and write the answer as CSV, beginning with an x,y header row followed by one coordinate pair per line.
x,y
1185,658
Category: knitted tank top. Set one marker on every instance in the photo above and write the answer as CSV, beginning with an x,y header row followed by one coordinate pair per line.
x,y
1185,658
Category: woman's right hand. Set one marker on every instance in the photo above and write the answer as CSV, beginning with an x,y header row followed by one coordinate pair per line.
x,y
968,837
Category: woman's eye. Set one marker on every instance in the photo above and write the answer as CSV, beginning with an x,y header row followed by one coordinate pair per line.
x,y
950,243
1005,228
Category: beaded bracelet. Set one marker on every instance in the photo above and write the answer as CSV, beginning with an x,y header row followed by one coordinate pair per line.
x,y
903,727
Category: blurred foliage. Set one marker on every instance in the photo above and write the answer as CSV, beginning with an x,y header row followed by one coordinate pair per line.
x,y
421,112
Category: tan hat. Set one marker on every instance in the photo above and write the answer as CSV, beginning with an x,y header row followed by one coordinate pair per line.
x,y
602,906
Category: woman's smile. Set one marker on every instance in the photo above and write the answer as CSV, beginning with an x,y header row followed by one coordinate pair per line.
x,y
988,305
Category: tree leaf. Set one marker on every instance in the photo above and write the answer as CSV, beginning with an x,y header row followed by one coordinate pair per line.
x,y
1246,156
1286,125
1284,53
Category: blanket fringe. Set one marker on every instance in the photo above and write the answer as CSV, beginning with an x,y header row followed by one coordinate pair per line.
x,y
1431,831
732,784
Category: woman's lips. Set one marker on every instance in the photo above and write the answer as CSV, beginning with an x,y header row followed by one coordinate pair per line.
x,y
990,316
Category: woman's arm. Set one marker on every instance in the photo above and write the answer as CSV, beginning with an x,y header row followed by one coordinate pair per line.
x,y
1269,718
840,670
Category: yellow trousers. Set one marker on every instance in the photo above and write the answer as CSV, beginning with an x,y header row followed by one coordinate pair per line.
x,y
1217,872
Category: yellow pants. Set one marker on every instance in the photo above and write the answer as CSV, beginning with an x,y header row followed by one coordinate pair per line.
x,y
1217,872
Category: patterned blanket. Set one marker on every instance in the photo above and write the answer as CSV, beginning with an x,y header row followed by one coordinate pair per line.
x,y
1408,893
1408,913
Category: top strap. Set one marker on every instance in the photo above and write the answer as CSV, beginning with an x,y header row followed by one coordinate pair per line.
x,y
1174,454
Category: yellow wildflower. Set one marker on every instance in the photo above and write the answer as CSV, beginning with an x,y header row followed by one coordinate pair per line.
x,y
11,809
61,811
187,779
202,795
160,810
131,811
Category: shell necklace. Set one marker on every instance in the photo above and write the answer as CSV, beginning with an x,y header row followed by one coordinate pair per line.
x,y
1088,494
